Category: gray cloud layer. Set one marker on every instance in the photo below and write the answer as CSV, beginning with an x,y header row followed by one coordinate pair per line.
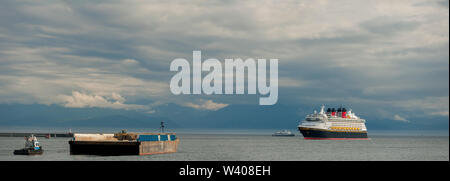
x,y
382,54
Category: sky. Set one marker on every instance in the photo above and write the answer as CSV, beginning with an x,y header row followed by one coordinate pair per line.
x,y
387,60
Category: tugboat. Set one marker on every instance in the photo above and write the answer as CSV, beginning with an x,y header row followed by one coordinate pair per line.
x,y
283,133
32,147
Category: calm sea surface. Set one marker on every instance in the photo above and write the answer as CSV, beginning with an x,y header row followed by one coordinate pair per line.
x,y
260,145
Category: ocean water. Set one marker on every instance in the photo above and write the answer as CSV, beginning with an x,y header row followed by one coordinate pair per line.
x,y
261,146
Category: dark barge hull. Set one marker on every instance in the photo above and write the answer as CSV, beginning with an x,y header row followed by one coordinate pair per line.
x,y
116,148
104,148
319,134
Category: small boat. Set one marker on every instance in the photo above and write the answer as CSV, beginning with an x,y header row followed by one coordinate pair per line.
x,y
32,147
283,133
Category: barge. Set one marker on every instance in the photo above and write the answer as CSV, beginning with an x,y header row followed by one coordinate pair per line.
x,y
123,143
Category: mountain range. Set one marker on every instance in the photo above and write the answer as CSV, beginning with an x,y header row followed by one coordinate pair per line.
x,y
239,116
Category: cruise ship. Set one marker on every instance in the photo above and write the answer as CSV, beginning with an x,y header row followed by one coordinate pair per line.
x,y
334,124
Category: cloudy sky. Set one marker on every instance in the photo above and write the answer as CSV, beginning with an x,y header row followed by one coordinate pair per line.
x,y
387,57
